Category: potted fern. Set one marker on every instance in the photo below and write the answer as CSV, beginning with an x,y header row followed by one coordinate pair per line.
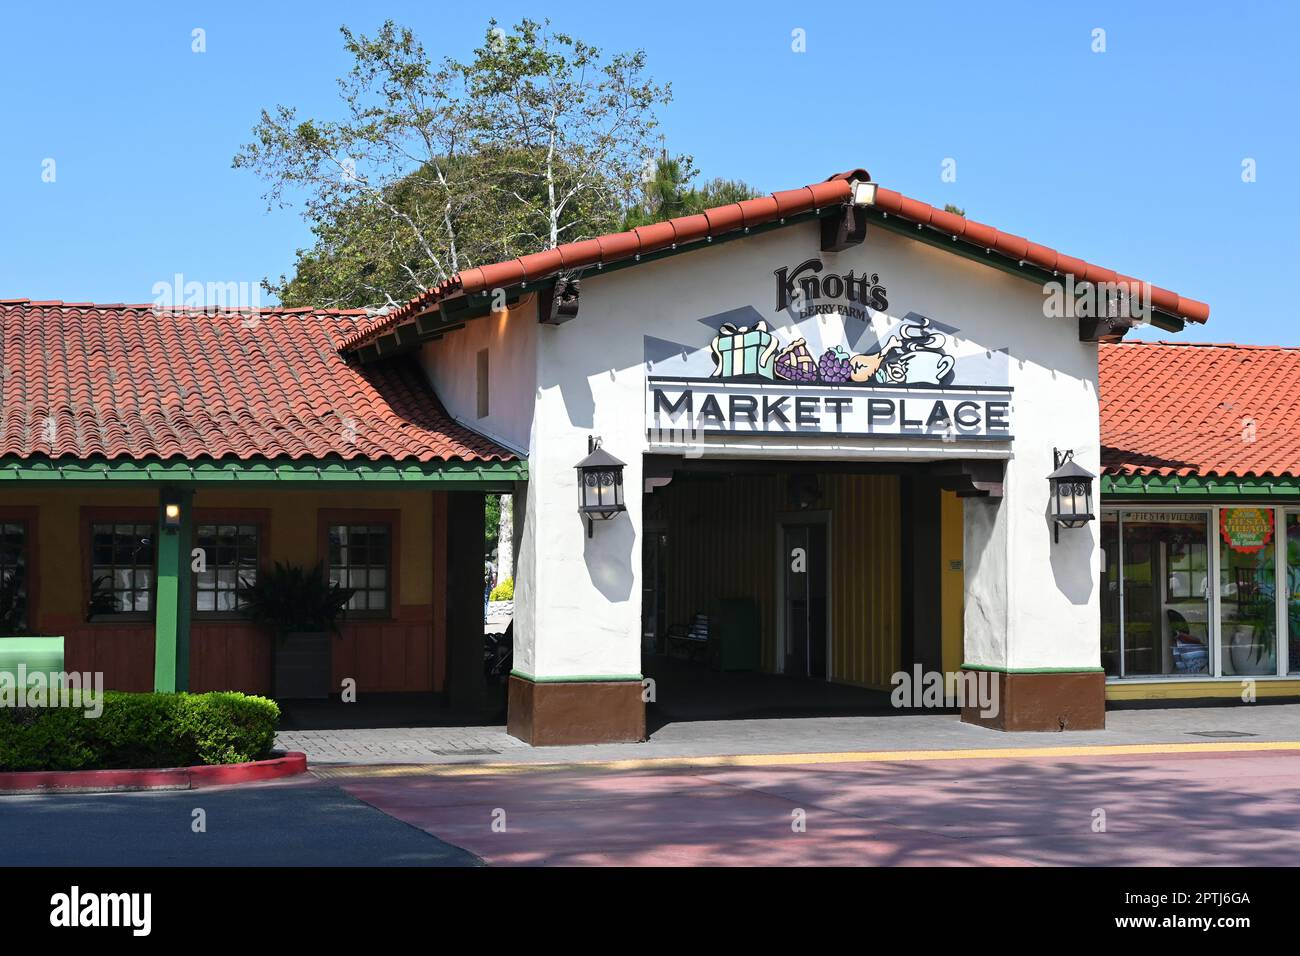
x,y
301,609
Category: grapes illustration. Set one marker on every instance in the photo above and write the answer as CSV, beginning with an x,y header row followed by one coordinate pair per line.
x,y
834,365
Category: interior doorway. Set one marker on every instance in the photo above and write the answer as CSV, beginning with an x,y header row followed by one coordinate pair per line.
x,y
804,555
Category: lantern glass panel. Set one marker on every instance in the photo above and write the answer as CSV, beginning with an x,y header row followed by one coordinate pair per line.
x,y
590,489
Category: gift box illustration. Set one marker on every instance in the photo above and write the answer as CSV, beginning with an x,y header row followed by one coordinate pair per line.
x,y
747,350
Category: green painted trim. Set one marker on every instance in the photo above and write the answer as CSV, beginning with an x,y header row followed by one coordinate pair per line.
x,y
1183,487
171,662
577,678
1032,670
277,471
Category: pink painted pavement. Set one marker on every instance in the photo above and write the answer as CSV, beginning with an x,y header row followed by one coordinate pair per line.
x,y
1184,809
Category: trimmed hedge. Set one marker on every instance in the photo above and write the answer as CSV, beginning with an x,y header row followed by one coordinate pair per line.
x,y
505,591
138,731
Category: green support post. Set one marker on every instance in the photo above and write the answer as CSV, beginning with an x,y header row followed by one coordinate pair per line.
x,y
171,667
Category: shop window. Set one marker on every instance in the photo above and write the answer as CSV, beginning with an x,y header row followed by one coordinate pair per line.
x,y
1293,593
230,558
13,577
1247,592
360,557
1110,644
1155,593
121,569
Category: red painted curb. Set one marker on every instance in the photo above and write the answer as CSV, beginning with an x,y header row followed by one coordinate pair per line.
x,y
169,778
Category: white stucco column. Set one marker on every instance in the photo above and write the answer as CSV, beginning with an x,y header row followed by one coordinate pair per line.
x,y
578,599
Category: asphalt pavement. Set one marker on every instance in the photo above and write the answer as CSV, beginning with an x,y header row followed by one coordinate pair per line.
x,y
299,822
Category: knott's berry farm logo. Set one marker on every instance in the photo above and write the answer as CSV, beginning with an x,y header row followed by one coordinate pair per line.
x,y
801,289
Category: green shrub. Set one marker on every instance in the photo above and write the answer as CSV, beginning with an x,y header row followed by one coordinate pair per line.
x,y
505,591
138,731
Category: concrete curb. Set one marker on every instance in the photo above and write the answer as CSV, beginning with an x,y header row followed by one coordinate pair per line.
x,y
169,778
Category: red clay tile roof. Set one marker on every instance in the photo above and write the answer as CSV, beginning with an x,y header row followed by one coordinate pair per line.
x,y
1190,409
614,247
120,381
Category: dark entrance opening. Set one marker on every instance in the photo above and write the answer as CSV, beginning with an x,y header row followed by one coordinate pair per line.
x,y
780,588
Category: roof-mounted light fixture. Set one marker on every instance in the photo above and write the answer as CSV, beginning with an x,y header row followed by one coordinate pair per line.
x,y
848,227
864,192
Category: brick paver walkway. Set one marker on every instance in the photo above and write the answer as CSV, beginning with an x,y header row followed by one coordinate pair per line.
x,y
399,744
416,745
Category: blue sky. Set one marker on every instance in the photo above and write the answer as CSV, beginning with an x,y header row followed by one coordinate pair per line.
x,y
1131,158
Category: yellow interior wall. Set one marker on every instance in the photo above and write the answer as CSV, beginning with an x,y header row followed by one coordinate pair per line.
x,y
293,531
866,578
952,580
722,543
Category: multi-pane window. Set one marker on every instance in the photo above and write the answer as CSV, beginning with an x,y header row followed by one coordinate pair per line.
x,y
360,557
1155,593
229,562
121,568
1211,592
13,577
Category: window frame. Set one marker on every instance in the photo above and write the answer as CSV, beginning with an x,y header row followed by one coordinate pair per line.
x,y
260,519
29,517
1214,628
391,517
130,514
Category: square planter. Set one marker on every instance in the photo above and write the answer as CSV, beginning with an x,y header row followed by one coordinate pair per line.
x,y
302,666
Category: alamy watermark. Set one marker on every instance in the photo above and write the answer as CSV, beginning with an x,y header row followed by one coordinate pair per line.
x,y
239,298
49,689
935,689
1125,300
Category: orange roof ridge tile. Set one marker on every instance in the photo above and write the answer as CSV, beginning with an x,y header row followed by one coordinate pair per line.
x,y
734,217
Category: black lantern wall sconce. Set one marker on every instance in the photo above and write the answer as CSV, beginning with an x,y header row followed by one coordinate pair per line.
x,y
172,502
1071,486
600,485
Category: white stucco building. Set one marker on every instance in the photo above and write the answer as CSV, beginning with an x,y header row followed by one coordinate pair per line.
x,y
837,408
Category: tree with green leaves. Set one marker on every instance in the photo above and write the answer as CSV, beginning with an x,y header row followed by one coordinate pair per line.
x,y
668,192
537,139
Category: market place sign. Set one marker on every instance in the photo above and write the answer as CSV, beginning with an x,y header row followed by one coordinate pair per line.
x,y
736,407
832,362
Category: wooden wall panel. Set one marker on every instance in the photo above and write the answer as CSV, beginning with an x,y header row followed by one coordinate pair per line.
x,y
122,652
229,655
387,656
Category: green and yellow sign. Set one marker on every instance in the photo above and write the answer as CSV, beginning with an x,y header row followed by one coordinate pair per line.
x,y
1246,529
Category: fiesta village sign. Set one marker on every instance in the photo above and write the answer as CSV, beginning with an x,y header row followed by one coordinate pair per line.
x,y
834,363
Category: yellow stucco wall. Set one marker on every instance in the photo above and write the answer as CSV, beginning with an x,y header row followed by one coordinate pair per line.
x,y
292,531
952,580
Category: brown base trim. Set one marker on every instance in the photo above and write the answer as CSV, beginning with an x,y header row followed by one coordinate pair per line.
x,y
1044,702
575,712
